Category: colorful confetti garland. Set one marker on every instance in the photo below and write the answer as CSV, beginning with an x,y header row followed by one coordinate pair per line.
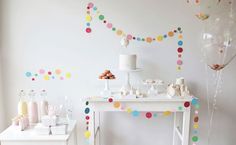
x,y
92,12
48,75
149,115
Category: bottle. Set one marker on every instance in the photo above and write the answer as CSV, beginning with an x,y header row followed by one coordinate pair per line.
x,y
43,103
32,108
22,104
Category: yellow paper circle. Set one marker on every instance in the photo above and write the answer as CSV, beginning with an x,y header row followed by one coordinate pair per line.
x,y
129,110
87,134
119,32
46,77
159,38
68,75
116,104
166,113
195,126
88,18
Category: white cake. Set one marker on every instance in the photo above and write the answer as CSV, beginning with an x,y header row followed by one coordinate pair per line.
x,y
127,62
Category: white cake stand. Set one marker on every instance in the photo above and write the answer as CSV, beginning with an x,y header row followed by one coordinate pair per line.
x,y
128,87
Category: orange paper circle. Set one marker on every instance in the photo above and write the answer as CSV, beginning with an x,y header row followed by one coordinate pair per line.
x,y
170,34
116,104
149,40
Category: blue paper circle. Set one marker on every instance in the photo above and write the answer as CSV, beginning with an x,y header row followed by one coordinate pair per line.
x,y
87,110
165,36
194,102
28,74
88,24
95,8
138,39
180,43
135,113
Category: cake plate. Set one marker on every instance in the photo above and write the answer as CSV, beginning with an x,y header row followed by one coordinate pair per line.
x,y
128,87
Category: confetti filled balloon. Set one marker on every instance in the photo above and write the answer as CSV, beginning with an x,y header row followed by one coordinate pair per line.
x,y
219,40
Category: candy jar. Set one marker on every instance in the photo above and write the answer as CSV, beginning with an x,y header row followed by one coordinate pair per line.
x,y
43,103
32,108
22,105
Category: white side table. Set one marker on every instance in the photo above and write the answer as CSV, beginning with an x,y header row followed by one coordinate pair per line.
x,y
158,104
12,136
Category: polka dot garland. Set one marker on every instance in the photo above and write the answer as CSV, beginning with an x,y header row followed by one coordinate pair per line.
x,y
148,115
47,75
159,38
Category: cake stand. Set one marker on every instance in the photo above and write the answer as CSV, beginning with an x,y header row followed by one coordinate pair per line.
x,y
128,87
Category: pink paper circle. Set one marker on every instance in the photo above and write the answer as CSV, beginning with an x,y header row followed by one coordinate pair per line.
x,y
179,62
90,5
61,78
109,25
129,37
41,71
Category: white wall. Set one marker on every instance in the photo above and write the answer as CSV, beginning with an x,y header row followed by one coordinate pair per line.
x,y
50,34
2,122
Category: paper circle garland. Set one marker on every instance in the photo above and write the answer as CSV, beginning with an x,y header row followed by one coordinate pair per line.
x,y
87,134
186,104
119,32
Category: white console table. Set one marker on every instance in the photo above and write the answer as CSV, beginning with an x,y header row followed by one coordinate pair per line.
x,y
158,104
13,136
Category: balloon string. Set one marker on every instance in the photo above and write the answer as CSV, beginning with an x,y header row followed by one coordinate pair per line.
x,y
218,78
207,92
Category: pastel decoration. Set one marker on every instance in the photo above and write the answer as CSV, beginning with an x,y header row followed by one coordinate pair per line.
x,y
88,30
180,50
149,40
129,37
61,78
41,71
129,110
165,36
194,101
95,8
87,134
46,77
33,79
88,18
159,38
166,113
35,75
58,71
110,100
170,34
109,25
113,29
49,73
180,43
90,5
195,126
149,115
28,74
135,113
119,32
180,36
68,75
180,108
87,103
87,117
155,115
87,110
196,119
101,17
179,62
186,104
194,138
116,104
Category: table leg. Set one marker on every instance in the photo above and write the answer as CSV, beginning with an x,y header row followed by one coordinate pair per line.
x,y
186,125
97,128
92,128
174,132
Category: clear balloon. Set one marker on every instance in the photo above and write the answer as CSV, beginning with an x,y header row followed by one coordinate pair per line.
x,y
219,38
